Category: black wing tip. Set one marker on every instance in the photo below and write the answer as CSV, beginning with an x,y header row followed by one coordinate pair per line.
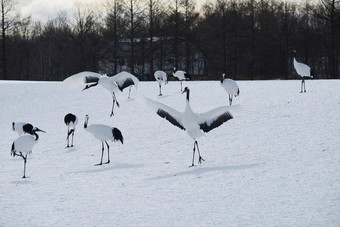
x,y
128,82
91,79
170,118
217,122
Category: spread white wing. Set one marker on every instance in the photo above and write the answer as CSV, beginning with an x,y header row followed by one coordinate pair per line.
x,y
81,78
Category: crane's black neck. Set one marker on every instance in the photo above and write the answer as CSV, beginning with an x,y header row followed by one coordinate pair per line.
x,y
91,85
85,123
36,136
188,94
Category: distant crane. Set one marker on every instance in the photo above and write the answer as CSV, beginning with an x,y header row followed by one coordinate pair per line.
x,y
181,75
231,87
23,145
103,133
161,77
22,127
195,124
71,121
125,79
112,84
303,70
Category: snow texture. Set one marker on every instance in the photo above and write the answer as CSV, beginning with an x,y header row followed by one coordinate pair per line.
x,y
275,164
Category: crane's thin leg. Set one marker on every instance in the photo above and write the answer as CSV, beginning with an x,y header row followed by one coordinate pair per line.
x,y
181,85
130,91
160,90
114,100
302,85
67,138
193,156
101,160
230,99
72,137
200,159
113,104
25,160
108,153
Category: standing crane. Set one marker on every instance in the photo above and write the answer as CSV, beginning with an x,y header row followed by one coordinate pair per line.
x,y
303,70
23,145
161,77
71,121
181,75
103,133
231,87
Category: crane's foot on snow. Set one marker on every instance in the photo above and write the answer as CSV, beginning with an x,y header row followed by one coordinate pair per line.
x,y
200,160
99,164
107,162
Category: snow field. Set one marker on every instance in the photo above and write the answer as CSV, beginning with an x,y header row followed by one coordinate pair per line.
x,y
276,164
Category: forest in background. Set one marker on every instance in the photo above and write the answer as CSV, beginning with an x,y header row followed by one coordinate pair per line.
x,y
246,39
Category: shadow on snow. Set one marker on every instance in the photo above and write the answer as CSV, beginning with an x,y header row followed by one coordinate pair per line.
x,y
108,168
196,171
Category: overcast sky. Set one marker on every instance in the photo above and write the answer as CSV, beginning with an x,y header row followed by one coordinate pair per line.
x,y
48,9
43,10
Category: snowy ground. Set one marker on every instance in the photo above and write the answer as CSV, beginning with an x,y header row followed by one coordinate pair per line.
x,y
276,164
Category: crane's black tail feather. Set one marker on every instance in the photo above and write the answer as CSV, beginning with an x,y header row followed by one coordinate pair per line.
x,y
117,135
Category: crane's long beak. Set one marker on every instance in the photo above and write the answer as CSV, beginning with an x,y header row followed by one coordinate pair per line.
x,y
39,130
91,85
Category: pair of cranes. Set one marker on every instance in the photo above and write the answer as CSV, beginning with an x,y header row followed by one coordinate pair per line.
x,y
23,145
101,132
161,77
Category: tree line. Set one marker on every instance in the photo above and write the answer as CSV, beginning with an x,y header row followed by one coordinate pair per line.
x,y
246,39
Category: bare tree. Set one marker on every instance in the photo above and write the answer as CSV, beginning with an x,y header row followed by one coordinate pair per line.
x,y
85,34
115,28
151,33
190,21
134,18
8,19
176,15
222,8
329,12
